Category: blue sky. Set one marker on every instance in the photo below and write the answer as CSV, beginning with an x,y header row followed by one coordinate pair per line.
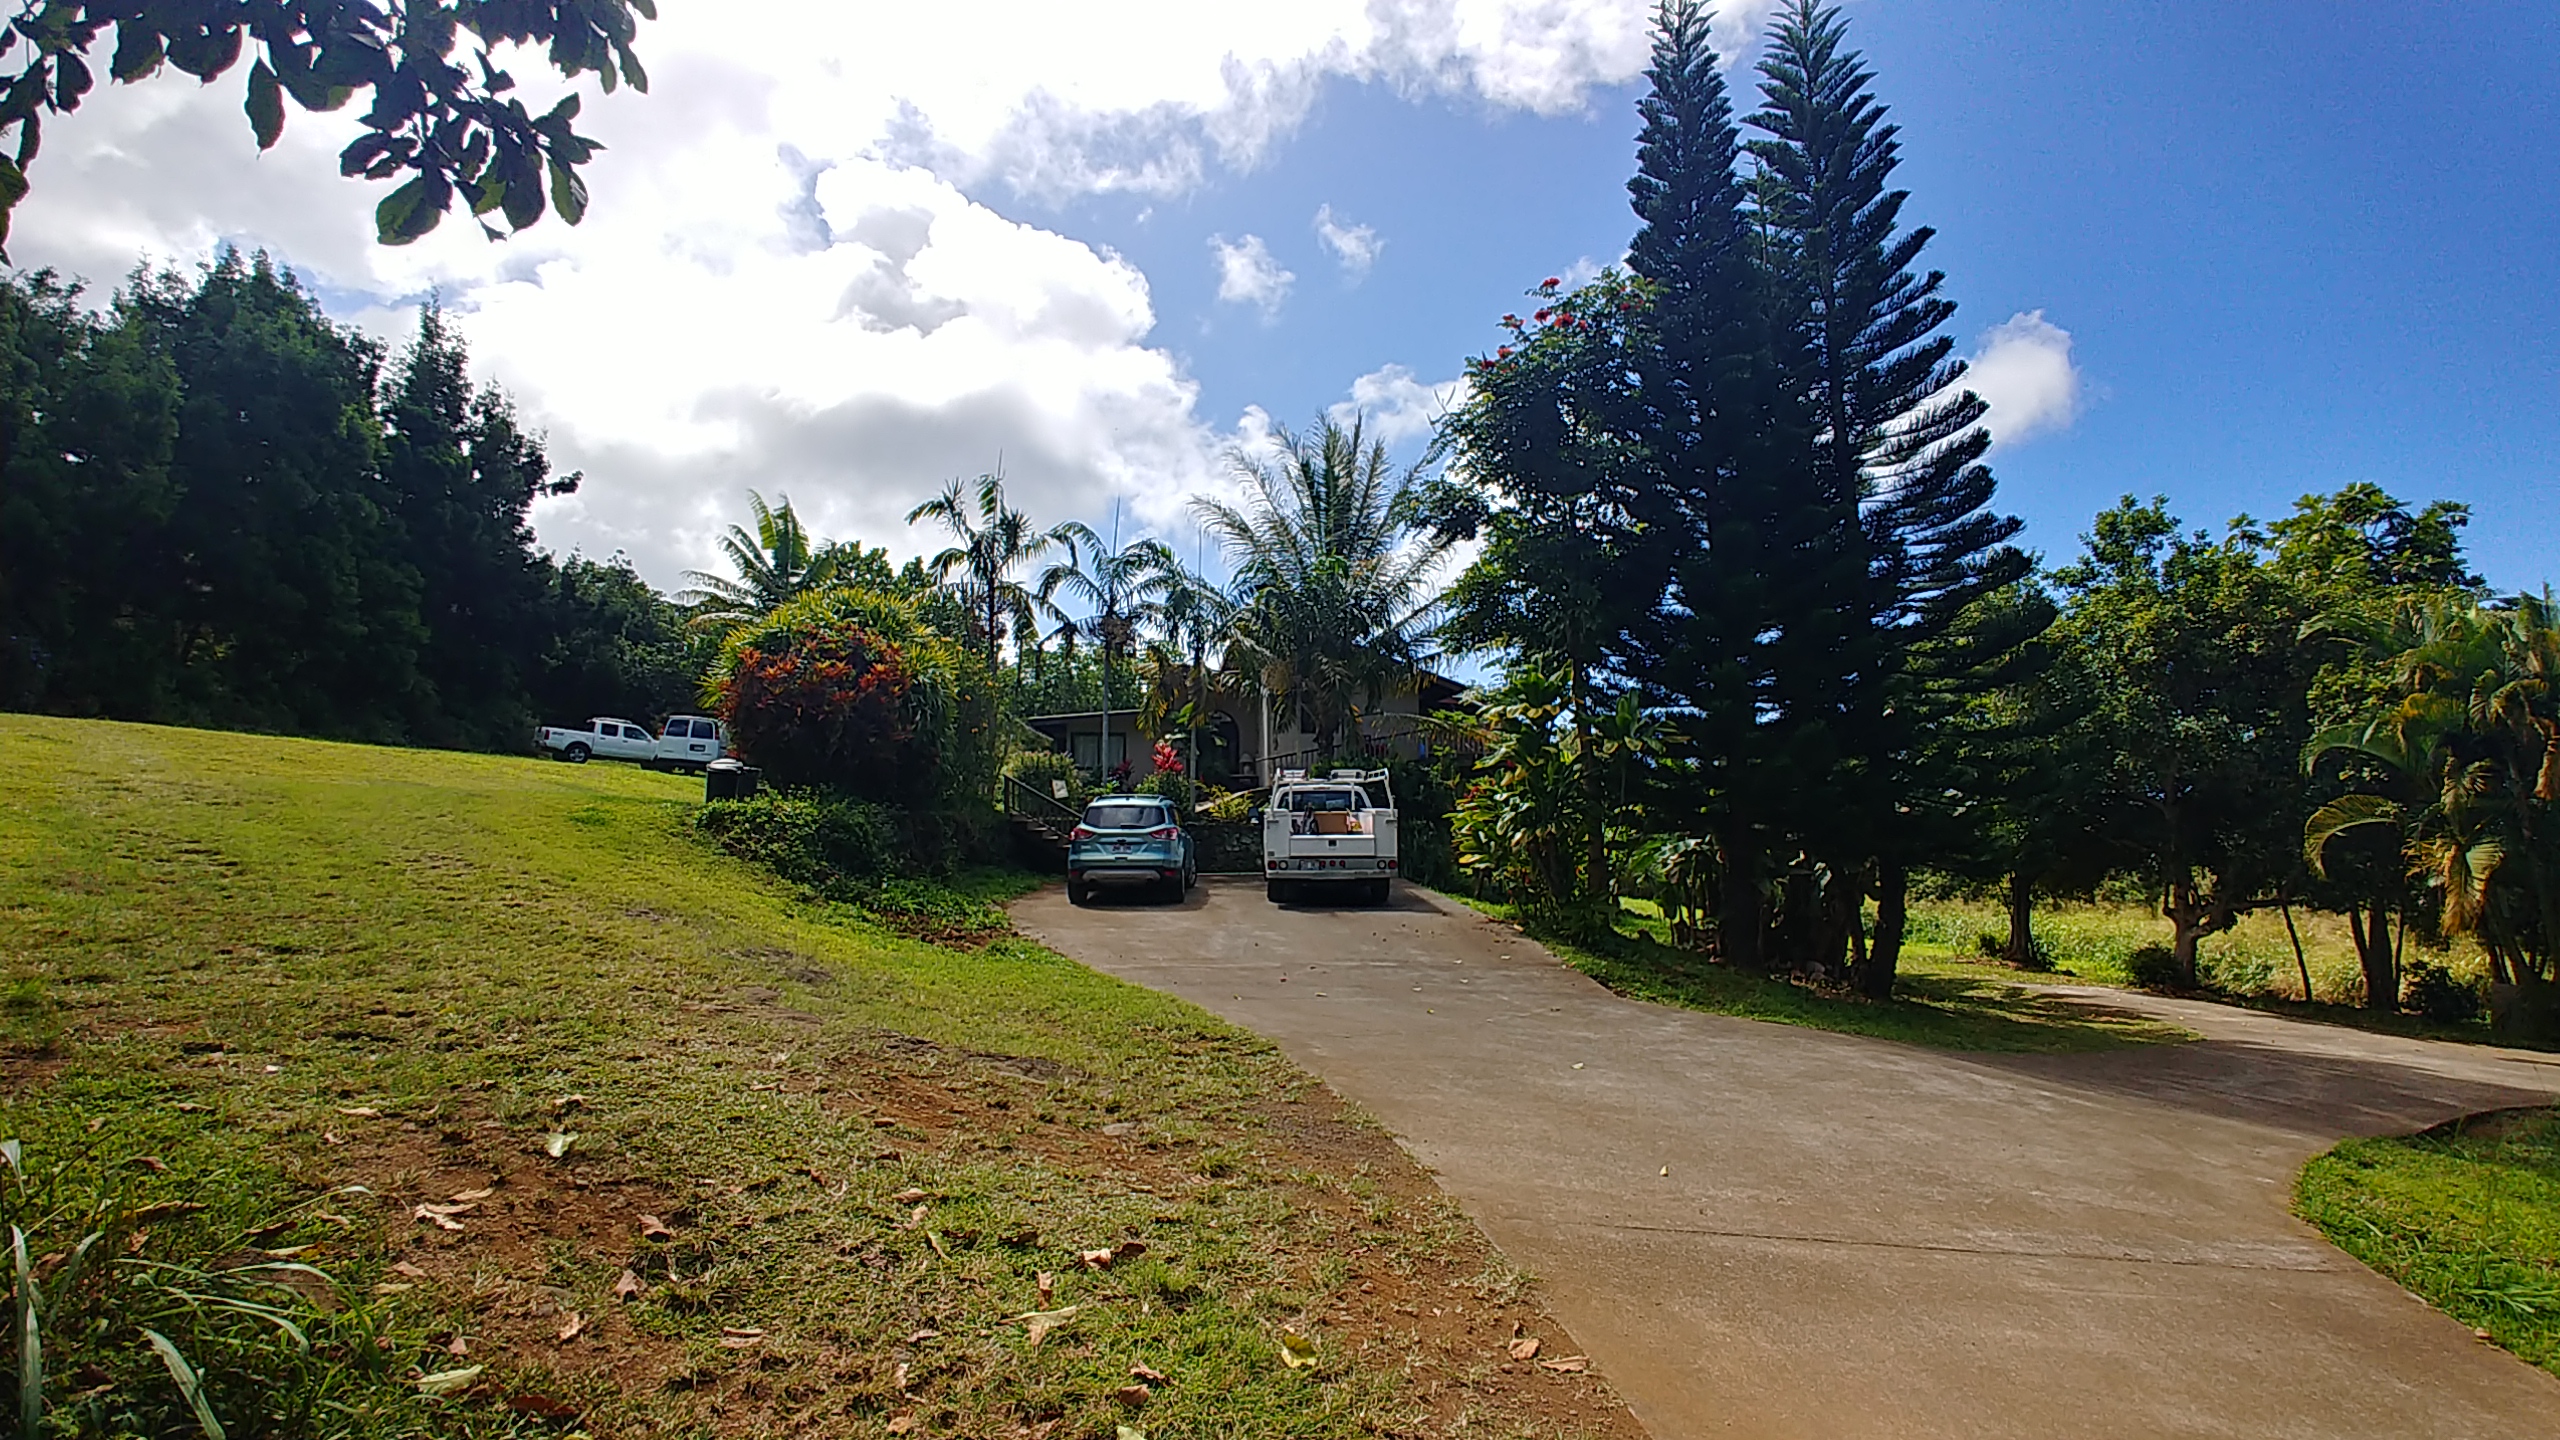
x,y
2229,254
2290,252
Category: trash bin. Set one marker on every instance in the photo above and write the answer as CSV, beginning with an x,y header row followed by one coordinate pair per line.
x,y
727,780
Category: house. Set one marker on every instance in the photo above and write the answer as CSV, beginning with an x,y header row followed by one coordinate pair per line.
x,y
1245,742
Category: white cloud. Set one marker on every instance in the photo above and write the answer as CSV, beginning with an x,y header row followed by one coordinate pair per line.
x,y
1356,247
1249,275
1397,407
781,283
2023,369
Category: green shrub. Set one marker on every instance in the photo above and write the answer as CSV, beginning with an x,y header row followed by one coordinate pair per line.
x,y
808,837
2153,967
2441,995
848,689
1043,770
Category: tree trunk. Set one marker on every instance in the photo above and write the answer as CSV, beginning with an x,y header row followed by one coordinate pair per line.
x,y
2186,915
1738,912
2299,963
2372,931
2021,949
1893,896
1594,792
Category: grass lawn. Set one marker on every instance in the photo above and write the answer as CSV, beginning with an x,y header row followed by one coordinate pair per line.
x,y
1950,1007
2466,1216
427,1094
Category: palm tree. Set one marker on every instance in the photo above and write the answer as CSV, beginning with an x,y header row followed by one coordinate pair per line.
x,y
777,564
993,541
1333,571
1108,593
2469,731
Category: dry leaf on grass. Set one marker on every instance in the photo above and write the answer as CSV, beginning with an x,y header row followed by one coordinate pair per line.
x,y
457,1347
567,1102
1525,1348
468,1197
1048,1289
922,1336
1137,1394
557,1143
1129,1433
361,1112
902,1424
900,1379
1297,1351
627,1288
653,1228
569,1331
439,1216
1569,1365
152,1163
405,1268
1146,1372
540,1406
449,1382
907,1196
1041,1322
934,1238
734,1337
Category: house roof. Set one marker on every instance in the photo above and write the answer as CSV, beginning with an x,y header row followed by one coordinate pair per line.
x,y
1069,717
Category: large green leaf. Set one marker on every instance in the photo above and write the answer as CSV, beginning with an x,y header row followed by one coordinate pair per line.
x,y
265,105
2345,813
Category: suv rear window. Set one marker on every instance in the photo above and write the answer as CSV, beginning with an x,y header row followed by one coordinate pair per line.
x,y
1124,816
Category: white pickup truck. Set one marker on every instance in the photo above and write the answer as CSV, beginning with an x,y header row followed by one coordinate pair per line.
x,y
1334,834
689,742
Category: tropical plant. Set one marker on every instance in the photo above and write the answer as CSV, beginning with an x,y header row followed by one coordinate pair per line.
x,y
778,563
845,689
991,541
1109,592
2470,725
1333,563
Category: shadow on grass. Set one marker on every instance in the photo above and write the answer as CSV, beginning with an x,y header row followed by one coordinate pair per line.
x,y
1943,1010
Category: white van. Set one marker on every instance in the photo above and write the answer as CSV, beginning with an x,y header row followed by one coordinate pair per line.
x,y
689,742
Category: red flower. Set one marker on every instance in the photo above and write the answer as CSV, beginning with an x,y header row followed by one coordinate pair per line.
x,y
1541,315
1511,320
1504,352
1550,283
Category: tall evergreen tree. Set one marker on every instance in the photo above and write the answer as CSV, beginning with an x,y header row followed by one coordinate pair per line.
x,y
1739,541
462,476
1895,455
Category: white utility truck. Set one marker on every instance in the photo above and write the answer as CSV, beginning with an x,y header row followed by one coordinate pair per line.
x,y
1330,836
690,742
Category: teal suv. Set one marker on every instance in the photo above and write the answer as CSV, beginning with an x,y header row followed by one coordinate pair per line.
x,y
1132,842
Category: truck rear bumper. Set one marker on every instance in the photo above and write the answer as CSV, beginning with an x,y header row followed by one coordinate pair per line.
x,y
1342,867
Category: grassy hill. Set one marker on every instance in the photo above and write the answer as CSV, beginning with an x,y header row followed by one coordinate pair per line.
x,y
411,1093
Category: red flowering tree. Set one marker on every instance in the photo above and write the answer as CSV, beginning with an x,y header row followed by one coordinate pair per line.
x,y
845,689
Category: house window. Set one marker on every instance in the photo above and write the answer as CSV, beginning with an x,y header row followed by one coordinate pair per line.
x,y
1088,750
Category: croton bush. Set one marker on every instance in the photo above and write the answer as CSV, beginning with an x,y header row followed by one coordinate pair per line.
x,y
846,689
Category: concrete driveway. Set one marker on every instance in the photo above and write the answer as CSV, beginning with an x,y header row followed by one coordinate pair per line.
x,y
1858,1238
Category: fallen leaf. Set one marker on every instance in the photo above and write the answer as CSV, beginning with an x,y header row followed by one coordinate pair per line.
x,y
653,1228
1048,1289
412,1271
97,1125
915,1217
1666,1169
1569,1365
1128,1433
922,1336
1133,1394
1148,1373
934,1238
273,1070
1096,1259
457,1347
361,1112
627,1288
902,1424
901,1376
331,1137
1296,1351
1127,1248
1041,1322
567,1102
391,1287
557,1143
469,1196
739,1338
1525,1348
907,1197
189,1107
569,1332
541,1407
152,1163
165,1209
449,1382
429,1214
452,1207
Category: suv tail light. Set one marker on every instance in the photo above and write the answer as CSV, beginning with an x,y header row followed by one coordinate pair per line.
x,y
1081,832
1163,832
